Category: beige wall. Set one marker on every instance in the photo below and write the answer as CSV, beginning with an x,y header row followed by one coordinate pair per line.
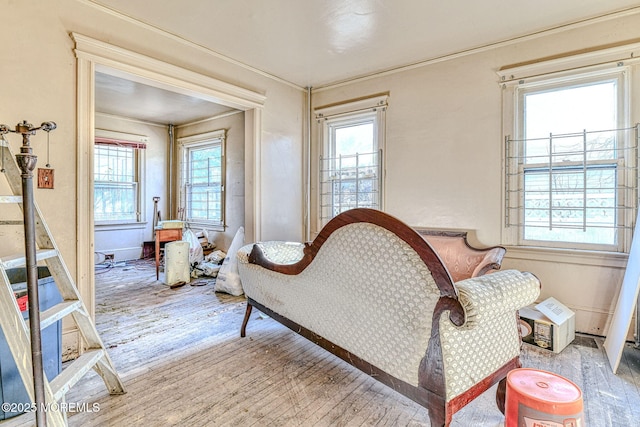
x,y
444,158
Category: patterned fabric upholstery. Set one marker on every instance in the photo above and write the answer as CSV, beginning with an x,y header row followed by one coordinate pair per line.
x,y
282,252
489,337
366,291
369,292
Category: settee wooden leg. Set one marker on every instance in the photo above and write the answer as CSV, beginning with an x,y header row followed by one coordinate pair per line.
x,y
243,329
501,394
437,408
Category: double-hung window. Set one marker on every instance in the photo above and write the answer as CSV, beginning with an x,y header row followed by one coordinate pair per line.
x,y
351,161
116,180
202,178
571,161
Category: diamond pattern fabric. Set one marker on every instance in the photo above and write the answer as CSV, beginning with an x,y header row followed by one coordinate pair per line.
x,y
489,338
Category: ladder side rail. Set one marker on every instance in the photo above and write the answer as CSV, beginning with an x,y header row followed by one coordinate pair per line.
x,y
15,332
61,275
105,367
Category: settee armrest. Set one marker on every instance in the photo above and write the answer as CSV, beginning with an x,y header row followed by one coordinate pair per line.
x,y
494,294
492,260
490,303
461,259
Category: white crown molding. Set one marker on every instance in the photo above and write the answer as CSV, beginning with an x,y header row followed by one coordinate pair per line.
x,y
130,120
209,119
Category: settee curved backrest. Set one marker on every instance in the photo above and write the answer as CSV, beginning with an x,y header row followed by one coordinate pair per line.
x,y
369,286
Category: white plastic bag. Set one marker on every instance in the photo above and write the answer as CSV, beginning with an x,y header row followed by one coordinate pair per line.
x,y
209,269
195,248
215,257
228,277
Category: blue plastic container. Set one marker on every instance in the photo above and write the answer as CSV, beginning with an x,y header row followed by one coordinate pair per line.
x,y
12,389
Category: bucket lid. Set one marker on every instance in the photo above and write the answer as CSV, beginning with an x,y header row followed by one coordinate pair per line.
x,y
544,386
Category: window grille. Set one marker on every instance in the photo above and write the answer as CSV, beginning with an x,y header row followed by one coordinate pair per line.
x,y
576,187
348,182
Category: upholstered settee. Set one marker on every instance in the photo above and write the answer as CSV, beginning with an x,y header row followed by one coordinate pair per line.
x,y
372,291
462,260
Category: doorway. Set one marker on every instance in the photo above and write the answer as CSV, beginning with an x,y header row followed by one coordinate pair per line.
x,y
96,56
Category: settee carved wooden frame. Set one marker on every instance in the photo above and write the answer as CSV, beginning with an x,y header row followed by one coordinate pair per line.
x,y
430,391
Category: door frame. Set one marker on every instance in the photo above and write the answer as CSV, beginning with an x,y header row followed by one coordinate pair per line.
x,y
94,55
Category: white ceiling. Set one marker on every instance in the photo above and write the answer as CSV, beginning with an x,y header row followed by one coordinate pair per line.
x,y
319,42
314,43
127,98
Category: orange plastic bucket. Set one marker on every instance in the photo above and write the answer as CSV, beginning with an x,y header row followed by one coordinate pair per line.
x,y
542,399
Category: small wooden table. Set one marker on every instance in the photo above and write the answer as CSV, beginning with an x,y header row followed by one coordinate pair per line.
x,y
165,235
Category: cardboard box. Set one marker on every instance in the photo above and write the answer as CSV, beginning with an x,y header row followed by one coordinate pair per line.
x,y
549,325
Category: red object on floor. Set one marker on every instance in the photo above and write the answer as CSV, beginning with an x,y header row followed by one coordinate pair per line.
x,y
540,398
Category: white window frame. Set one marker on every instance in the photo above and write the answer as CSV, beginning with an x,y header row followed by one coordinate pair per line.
x,y
130,141
616,63
367,110
186,144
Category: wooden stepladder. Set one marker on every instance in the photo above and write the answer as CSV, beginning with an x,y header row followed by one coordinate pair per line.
x,y
13,325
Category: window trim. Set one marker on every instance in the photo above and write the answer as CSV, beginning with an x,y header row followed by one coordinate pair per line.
x,y
354,111
561,73
185,144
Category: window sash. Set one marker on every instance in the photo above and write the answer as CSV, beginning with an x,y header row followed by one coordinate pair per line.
x,y
204,203
351,187
114,164
115,201
576,199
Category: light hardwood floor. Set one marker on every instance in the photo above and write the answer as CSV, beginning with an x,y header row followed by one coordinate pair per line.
x,y
183,363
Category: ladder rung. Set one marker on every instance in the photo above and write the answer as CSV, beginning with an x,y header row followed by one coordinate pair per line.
x,y
13,261
57,312
10,199
71,374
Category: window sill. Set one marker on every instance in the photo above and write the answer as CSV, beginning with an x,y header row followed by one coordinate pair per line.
x,y
568,256
107,226
207,225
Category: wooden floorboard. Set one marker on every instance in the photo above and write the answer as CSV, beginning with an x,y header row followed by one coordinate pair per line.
x,y
183,363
